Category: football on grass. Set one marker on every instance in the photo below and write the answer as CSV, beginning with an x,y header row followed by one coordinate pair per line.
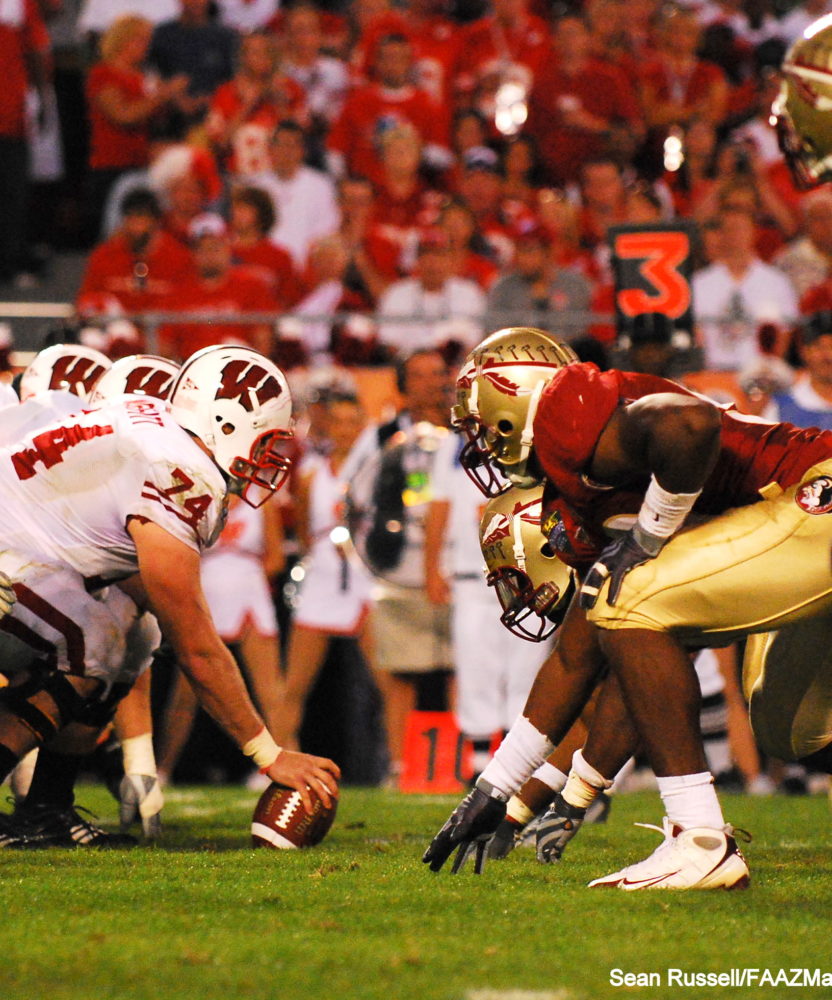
x,y
280,820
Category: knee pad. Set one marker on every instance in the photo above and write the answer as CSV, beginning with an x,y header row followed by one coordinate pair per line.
x,y
44,716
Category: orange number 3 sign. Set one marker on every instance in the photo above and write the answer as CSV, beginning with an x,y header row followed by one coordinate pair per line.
x,y
660,254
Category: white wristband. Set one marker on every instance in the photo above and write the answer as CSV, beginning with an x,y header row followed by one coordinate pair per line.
x,y
262,749
522,751
662,513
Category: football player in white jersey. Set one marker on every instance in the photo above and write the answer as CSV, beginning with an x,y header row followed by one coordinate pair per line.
x,y
43,783
133,493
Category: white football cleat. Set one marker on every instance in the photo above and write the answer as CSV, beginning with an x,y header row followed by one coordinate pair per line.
x,y
699,858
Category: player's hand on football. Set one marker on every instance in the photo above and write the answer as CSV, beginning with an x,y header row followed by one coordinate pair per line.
x,y
302,771
7,595
615,562
468,830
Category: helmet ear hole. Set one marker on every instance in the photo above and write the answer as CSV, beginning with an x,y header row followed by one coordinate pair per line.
x,y
505,426
227,428
547,551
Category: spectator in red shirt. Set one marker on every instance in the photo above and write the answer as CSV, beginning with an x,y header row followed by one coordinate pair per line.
x,y
469,252
221,290
481,189
509,45
246,110
252,218
603,203
324,79
580,107
24,57
121,105
138,266
403,201
522,171
435,39
373,259
390,99
676,86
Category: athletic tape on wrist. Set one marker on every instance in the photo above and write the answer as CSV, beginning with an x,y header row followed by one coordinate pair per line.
x,y
662,513
518,811
137,755
522,751
262,749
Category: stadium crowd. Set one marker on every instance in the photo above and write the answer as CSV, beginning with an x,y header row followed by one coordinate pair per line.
x,y
352,185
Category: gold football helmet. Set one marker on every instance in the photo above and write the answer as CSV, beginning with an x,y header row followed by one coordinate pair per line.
x,y
533,586
497,393
802,111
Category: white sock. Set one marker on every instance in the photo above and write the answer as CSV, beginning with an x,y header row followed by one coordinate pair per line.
x,y
690,800
551,776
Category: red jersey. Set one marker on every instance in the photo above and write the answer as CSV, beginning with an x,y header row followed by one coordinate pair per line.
x,y
274,266
600,89
574,410
239,292
137,281
688,90
490,51
249,152
372,110
435,42
115,146
19,37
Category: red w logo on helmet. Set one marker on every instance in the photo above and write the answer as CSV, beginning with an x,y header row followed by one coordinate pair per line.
x,y
241,379
73,371
150,381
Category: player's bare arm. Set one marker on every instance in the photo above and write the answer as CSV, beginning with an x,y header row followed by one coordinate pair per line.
x,y
169,572
671,436
673,439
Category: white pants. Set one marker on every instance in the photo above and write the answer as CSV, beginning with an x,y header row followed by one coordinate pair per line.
x,y
494,669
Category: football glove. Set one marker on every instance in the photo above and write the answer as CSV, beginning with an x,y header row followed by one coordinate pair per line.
x,y
140,798
469,829
7,595
615,562
504,840
558,826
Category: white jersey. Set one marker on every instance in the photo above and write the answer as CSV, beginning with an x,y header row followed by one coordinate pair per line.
x,y
20,419
69,491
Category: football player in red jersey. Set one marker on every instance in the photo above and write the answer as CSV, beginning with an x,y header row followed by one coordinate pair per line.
x,y
717,504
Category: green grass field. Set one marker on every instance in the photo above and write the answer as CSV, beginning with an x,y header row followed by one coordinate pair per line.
x,y
205,917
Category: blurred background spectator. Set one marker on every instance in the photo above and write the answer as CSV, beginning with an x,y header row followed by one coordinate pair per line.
x,y
122,102
738,292
433,308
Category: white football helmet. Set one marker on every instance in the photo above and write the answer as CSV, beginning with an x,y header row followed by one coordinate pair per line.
x,y
497,391
802,111
139,374
237,402
72,367
533,585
